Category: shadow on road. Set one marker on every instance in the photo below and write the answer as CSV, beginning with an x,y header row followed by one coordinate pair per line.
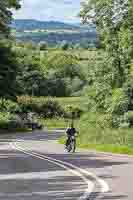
x,y
29,178
25,178
85,161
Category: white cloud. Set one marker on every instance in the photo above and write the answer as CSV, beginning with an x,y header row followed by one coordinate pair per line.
x,y
63,10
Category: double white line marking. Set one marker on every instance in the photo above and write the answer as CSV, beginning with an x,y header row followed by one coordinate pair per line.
x,y
82,173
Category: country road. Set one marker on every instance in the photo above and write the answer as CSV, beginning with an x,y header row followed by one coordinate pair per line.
x,y
33,166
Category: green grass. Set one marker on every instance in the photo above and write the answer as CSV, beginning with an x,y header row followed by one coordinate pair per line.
x,y
59,123
72,101
103,139
54,123
110,148
63,101
120,149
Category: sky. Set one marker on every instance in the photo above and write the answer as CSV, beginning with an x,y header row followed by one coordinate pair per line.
x,y
45,10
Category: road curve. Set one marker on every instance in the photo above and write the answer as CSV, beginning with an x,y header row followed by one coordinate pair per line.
x,y
24,177
71,182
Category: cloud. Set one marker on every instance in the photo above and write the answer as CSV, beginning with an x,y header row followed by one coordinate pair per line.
x,y
63,10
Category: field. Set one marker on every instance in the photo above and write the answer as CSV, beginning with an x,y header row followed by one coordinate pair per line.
x,y
57,36
84,57
63,101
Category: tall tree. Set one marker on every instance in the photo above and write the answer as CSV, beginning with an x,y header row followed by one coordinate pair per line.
x,y
6,15
8,62
111,20
8,71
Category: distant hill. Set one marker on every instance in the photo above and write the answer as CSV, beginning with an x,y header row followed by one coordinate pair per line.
x,y
53,32
26,24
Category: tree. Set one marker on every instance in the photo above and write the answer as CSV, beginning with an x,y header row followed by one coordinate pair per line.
x,y
43,46
110,18
114,24
64,45
30,76
8,62
6,15
8,71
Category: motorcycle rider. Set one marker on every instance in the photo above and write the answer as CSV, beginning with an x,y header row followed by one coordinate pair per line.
x,y
70,132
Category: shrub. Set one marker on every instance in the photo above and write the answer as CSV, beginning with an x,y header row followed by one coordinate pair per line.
x,y
64,45
51,108
10,106
47,108
5,117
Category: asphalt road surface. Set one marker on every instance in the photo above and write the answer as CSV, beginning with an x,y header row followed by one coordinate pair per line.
x,y
33,166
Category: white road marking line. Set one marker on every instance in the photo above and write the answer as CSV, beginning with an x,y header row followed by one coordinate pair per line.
x,y
89,183
38,175
103,184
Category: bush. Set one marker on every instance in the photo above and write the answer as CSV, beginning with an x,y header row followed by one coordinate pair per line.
x,y
10,106
47,108
51,108
5,117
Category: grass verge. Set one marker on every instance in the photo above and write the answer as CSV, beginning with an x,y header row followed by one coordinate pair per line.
x,y
56,123
51,124
108,148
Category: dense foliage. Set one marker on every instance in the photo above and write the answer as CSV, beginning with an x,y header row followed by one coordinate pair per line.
x,y
8,70
8,61
54,73
111,90
6,15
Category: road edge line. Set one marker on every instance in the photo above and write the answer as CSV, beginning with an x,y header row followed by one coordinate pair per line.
x,y
87,192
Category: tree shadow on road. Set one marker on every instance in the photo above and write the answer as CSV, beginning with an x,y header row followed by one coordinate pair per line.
x,y
85,161
40,186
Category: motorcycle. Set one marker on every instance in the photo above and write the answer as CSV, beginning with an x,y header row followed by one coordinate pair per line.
x,y
71,147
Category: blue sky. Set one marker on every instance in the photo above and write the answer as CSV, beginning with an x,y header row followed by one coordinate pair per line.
x,y
57,10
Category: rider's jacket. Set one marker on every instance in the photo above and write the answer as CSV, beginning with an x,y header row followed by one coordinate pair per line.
x,y
71,131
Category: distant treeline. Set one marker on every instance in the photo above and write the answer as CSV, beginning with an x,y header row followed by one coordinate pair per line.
x,y
84,39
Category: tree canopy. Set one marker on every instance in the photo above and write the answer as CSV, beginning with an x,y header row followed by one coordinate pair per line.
x,y
8,64
6,15
114,24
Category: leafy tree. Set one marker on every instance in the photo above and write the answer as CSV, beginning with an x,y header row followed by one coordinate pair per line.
x,y
8,64
64,45
6,15
114,23
8,71
43,46
110,18
30,76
